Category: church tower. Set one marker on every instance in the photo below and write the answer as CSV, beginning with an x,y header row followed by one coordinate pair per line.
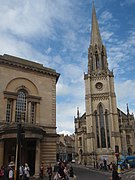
x,y
102,126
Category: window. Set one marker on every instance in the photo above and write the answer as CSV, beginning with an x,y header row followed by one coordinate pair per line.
x,y
97,129
102,128
80,141
21,106
9,110
102,59
107,128
33,112
97,60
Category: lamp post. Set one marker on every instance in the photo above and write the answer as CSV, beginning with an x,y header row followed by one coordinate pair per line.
x,y
17,161
20,135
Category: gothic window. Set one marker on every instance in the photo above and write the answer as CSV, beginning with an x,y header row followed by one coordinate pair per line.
x,y
102,60
107,128
97,60
80,141
128,139
97,129
102,127
9,110
21,106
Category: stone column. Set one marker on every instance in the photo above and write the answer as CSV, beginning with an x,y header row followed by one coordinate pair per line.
x,y
5,110
29,111
1,152
14,110
37,113
37,159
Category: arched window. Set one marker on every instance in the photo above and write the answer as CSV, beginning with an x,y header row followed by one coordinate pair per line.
x,y
97,129
21,106
102,128
107,128
21,103
102,59
97,60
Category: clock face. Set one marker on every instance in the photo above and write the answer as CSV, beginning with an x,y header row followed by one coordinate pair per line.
x,y
99,85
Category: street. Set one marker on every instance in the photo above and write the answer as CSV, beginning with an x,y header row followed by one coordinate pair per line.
x,y
83,173
86,173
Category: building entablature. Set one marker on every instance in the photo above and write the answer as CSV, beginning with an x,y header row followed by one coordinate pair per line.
x,y
16,62
31,131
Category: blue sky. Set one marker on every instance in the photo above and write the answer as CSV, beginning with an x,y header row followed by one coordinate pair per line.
x,y
56,33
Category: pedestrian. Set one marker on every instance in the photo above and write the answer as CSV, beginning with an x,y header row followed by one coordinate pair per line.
x,y
49,171
6,172
115,173
11,170
56,170
42,170
2,172
61,170
111,166
66,172
26,172
21,172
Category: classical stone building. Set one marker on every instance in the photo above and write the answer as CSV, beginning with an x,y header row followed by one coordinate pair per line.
x,y
27,96
66,147
103,131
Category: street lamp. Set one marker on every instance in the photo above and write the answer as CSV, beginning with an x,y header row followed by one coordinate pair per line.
x,y
17,159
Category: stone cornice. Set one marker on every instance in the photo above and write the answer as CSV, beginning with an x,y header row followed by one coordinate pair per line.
x,y
99,75
13,95
16,62
98,96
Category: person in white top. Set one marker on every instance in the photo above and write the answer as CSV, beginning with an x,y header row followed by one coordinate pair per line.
x,y
26,172
11,173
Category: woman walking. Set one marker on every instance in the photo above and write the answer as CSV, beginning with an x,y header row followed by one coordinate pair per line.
x,y
49,171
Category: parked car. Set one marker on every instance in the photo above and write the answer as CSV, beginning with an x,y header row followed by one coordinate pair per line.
x,y
73,160
127,160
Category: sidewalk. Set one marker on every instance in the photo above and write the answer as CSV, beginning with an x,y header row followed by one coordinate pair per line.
x,y
100,170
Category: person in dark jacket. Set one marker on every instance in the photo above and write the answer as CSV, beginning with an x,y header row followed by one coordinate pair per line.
x,y
61,170
115,173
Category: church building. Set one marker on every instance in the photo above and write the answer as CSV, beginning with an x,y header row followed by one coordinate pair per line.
x,y
103,131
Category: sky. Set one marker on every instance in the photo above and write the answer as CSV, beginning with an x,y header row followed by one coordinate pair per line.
x,y
56,33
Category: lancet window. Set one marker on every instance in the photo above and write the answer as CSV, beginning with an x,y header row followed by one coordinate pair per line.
x,y
102,127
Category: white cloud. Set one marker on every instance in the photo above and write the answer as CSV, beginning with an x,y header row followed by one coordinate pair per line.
x,y
105,17
127,2
65,133
48,50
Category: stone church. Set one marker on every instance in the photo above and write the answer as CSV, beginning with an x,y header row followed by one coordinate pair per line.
x,y
27,97
103,131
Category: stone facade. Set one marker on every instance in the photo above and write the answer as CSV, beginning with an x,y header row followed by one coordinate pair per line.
x,y
27,96
65,147
103,130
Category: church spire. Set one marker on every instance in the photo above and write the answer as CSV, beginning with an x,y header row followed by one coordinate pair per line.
x,y
95,33
97,57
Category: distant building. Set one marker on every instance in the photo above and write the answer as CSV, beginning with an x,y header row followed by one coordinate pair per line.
x,y
103,131
65,147
27,96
